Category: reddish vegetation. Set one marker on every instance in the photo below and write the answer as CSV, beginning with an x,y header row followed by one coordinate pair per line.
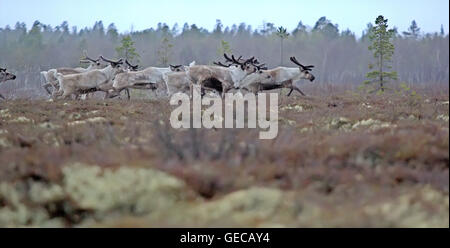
x,y
310,153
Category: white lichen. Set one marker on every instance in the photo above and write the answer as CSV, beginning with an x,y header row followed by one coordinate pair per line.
x,y
89,120
21,119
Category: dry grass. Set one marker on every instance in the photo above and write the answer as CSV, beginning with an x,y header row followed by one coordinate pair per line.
x,y
338,151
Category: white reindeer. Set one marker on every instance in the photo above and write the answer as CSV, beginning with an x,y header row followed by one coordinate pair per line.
x,y
94,80
283,77
50,75
5,75
149,78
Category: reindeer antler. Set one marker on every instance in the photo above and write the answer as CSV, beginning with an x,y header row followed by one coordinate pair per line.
x,y
307,67
134,67
88,58
227,58
261,67
220,64
110,61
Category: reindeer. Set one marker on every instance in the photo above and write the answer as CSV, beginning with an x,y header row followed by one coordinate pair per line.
x,y
90,81
178,82
50,75
221,77
5,75
149,78
283,77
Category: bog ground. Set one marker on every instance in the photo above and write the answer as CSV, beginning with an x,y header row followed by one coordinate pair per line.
x,y
341,158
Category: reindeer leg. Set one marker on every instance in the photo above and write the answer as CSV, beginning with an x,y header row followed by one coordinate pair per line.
x,y
297,89
128,93
46,88
290,92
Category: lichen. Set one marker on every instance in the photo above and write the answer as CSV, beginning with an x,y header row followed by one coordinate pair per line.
x,y
296,107
89,120
442,117
21,119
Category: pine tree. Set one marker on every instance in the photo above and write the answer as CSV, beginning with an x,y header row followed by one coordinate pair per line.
x,y
283,34
127,50
383,50
112,32
223,48
164,51
413,30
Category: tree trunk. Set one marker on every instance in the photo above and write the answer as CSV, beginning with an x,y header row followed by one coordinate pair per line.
x,y
281,53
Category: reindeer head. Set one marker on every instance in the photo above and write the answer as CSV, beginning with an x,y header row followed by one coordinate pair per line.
x,y
130,66
117,65
94,63
5,75
305,70
177,68
248,65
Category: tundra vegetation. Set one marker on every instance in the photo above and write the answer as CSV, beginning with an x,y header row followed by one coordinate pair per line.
x,y
342,157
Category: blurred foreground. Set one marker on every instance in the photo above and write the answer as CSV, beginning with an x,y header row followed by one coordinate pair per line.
x,y
341,159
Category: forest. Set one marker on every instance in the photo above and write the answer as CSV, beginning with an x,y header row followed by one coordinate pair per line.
x,y
340,56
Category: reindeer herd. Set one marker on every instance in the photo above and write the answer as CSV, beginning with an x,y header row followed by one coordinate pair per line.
x,y
114,76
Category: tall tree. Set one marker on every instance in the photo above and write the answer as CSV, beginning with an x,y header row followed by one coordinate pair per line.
x,y
413,30
382,48
127,50
283,34
218,28
325,26
164,51
223,48
299,29
112,33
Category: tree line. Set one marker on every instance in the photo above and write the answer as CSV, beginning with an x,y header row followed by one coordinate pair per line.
x,y
339,56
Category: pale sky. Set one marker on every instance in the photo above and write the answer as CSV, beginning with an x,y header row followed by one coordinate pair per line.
x,y
143,14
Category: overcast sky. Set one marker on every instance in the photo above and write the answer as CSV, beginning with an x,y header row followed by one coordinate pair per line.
x,y
143,14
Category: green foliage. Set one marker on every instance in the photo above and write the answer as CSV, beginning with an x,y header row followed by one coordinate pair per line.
x,y
323,25
341,58
283,34
413,99
164,51
223,48
413,30
112,32
127,50
383,51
